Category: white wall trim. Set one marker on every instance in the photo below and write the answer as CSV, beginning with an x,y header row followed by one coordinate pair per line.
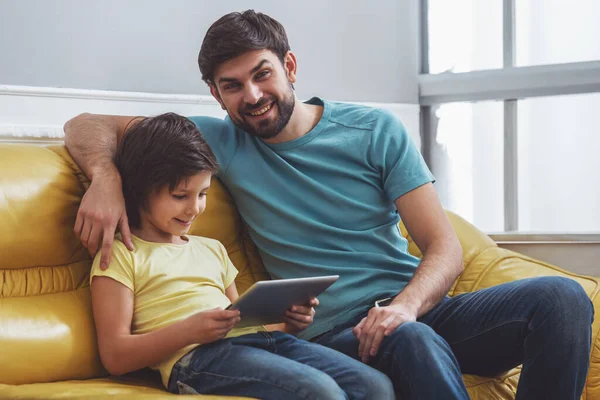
x,y
105,95
37,114
29,131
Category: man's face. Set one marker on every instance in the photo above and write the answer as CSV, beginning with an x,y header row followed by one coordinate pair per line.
x,y
256,90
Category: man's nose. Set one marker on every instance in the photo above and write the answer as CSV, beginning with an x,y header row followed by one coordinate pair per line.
x,y
252,94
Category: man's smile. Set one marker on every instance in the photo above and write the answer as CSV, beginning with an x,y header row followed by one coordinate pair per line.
x,y
262,111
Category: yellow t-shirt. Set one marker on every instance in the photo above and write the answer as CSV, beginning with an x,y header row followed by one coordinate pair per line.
x,y
171,282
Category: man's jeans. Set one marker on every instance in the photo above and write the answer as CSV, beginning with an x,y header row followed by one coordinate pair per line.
x,y
277,366
542,323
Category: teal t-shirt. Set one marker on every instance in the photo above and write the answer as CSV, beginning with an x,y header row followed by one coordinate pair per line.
x,y
323,204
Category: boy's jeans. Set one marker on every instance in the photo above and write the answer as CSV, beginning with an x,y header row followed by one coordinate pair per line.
x,y
275,365
542,323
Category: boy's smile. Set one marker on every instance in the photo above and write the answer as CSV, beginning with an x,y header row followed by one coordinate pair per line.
x,y
184,223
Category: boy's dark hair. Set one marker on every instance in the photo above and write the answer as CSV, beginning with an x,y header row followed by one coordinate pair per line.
x,y
236,33
156,152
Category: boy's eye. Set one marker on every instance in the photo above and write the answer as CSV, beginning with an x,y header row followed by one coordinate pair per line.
x,y
202,195
179,196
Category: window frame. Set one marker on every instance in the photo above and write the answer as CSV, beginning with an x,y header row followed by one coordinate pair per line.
x,y
508,84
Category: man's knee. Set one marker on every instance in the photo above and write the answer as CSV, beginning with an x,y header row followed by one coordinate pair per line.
x,y
414,339
564,301
415,350
564,295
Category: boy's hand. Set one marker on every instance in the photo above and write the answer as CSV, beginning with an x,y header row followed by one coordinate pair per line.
x,y
211,325
298,318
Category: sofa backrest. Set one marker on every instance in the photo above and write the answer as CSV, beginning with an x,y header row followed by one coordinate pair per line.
x,y
46,324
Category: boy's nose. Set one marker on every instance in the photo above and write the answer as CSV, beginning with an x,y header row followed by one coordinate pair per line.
x,y
194,209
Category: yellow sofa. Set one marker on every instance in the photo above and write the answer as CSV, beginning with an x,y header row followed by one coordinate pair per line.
x,y
47,339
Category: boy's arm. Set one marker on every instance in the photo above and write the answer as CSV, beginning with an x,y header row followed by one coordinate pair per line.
x,y
92,141
122,352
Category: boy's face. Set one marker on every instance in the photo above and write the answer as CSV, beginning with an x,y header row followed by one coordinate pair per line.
x,y
169,215
256,90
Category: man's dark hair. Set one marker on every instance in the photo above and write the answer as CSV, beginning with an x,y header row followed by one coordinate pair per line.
x,y
156,152
236,33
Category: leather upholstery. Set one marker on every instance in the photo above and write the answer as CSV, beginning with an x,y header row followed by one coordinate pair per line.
x,y
46,327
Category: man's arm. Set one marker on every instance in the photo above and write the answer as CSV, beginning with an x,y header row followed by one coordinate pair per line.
x,y
92,141
428,225
122,352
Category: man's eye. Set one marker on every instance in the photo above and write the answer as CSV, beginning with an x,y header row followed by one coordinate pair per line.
x,y
262,74
179,196
230,86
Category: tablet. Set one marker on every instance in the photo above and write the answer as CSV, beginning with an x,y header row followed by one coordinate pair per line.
x,y
267,301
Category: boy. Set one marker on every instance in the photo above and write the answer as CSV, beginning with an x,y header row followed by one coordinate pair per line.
x,y
162,305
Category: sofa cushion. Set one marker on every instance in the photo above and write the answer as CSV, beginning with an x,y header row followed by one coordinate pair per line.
x,y
114,388
38,204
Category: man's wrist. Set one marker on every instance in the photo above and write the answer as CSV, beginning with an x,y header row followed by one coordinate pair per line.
x,y
106,172
413,305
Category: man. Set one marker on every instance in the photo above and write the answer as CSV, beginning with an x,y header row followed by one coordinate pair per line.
x,y
322,187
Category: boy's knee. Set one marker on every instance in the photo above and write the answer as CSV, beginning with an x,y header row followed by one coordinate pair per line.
x,y
322,386
376,385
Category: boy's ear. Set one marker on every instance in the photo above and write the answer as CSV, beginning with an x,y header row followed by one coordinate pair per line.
x,y
215,93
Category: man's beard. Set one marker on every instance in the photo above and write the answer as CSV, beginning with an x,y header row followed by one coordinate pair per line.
x,y
268,129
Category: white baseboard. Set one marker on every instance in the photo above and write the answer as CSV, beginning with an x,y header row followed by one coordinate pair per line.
x,y
37,114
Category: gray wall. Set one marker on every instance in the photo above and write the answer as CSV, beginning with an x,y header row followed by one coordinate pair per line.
x,y
354,50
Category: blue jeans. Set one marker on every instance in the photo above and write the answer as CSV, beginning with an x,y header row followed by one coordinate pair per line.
x,y
275,365
542,323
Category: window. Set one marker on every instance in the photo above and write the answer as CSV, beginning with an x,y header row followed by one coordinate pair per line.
x,y
557,31
559,187
464,35
468,162
510,98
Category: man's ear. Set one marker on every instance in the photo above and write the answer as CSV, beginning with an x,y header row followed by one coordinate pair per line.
x,y
215,93
290,65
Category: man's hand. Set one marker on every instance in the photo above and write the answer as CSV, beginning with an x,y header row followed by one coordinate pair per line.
x,y
298,318
211,325
380,322
102,209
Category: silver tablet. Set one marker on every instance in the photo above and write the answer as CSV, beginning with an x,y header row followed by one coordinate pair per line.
x,y
267,301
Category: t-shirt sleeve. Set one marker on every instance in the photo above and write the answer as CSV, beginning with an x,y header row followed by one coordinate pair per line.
x,y
120,268
398,160
230,271
221,137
